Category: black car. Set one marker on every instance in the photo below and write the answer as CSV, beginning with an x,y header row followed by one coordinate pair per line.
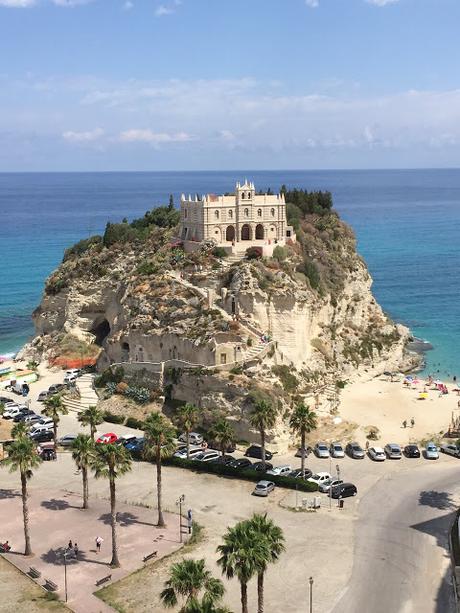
x,y
56,388
229,448
4,399
240,463
411,451
23,414
255,451
344,490
260,467
297,474
225,460
42,437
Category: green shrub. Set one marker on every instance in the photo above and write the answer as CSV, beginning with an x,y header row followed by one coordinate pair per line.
x,y
161,216
310,270
219,252
237,370
247,474
112,374
147,268
54,285
280,253
132,422
141,395
253,253
112,418
288,380
82,246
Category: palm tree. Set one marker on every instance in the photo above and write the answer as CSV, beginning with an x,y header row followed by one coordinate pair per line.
x,y
273,536
187,579
262,418
54,407
188,417
22,456
83,453
19,430
159,436
242,555
206,607
110,462
303,421
223,434
91,417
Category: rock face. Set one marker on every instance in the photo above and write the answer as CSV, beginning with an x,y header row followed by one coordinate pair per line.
x,y
144,300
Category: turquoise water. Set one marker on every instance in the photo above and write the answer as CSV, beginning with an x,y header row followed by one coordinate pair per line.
x,y
407,223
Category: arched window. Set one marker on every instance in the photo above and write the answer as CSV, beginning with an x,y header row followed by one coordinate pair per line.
x,y
259,212
216,214
243,195
230,213
272,211
246,212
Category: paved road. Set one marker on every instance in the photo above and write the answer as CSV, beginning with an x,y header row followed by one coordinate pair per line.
x,y
401,560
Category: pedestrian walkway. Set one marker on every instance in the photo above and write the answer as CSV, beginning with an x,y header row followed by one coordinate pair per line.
x,y
87,395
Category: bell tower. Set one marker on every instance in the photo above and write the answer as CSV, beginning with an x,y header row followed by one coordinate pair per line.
x,y
245,193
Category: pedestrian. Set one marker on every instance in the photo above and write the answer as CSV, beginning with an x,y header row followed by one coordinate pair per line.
x,y
99,541
69,546
367,445
412,422
75,550
404,424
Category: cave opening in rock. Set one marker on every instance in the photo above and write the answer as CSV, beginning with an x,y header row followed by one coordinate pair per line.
x,y
101,330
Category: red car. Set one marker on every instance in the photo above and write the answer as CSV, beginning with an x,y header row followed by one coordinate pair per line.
x,y
109,437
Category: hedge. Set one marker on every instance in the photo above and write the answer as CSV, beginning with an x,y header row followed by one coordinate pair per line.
x,y
247,474
112,418
132,422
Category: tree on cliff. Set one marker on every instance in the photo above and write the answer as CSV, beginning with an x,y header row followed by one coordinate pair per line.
x,y
222,433
83,453
263,417
110,462
23,457
188,418
54,408
303,421
91,417
159,443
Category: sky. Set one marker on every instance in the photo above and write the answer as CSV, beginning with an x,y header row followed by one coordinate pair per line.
x,y
229,84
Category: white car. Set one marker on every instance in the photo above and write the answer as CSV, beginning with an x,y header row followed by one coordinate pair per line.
x,y
41,427
182,453
70,378
326,486
320,478
194,438
336,450
11,412
206,456
73,372
321,450
283,471
377,454
431,451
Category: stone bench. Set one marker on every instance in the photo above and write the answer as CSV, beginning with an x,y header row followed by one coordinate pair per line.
x,y
104,580
150,556
34,573
50,585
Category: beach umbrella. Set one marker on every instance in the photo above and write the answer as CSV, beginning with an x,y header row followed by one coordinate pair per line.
x,y
422,396
438,382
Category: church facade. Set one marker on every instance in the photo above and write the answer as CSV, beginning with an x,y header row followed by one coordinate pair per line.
x,y
237,221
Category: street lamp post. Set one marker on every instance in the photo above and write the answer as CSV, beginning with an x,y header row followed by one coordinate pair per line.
x,y
311,594
65,573
180,502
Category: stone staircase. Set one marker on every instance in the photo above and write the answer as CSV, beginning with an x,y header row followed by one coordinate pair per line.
x,y
87,395
233,258
254,350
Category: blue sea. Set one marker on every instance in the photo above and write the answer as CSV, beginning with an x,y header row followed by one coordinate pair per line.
x,y
407,223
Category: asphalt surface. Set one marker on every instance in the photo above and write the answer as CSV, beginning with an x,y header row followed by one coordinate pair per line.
x,y
401,557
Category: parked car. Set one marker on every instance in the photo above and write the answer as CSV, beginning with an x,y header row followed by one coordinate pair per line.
x,y
393,451
107,438
194,438
450,449
229,448
240,463
42,436
321,450
377,454
55,389
135,447
73,372
124,439
223,459
282,471
355,451
207,456
302,452
5,399
182,453
344,490
260,467
326,486
431,451
297,474
12,411
319,478
22,415
42,396
263,488
255,451
336,450
412,451
32,419
45,421
69,379
67,440
39,427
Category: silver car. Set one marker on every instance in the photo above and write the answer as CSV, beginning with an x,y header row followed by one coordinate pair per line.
x,y
336,450
377,454
326,486
321,450
393,451
67,440
263,488
431,451
207,456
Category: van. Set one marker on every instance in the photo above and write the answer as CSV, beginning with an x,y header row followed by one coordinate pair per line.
x,y
19,387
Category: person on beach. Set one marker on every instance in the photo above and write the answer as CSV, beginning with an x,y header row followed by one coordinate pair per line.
x,y
69,546
75,550
405,424
412,422
99,541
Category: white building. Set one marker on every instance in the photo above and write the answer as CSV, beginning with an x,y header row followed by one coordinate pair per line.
x,y
236,221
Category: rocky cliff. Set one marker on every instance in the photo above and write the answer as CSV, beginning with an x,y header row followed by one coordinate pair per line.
x,y
138,298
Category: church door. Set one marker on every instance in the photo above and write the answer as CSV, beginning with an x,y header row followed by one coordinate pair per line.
x,y
230,233
246,233
259,232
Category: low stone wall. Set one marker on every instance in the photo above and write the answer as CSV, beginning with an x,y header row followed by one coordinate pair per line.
x,y
454,544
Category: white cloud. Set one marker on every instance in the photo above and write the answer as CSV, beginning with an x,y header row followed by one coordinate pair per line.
x,y
89,136
381,2
156,138
164,10
313,4
71,3
17,4
128,5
